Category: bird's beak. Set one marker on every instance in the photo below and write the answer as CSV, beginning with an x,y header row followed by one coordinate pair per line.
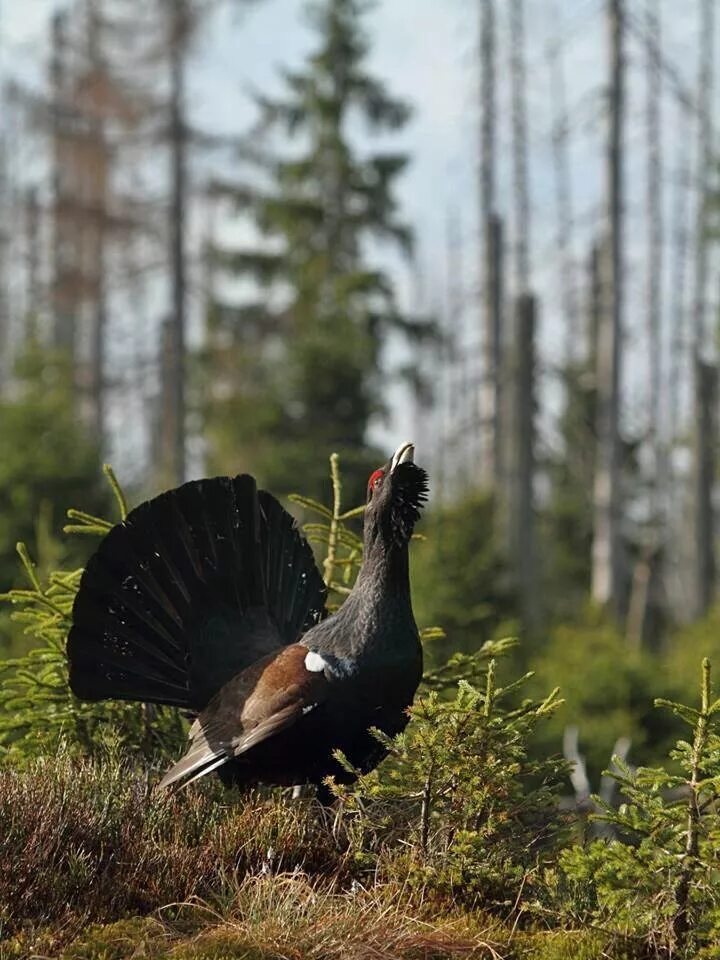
x,y
405,453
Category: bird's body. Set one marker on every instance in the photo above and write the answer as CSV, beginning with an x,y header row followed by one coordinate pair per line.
x,y
208,598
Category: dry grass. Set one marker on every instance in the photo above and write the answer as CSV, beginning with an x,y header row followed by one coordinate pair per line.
x,y
97,866
94,841
293,917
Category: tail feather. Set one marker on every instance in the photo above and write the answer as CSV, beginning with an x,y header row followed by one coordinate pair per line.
x,y
194,771
194,586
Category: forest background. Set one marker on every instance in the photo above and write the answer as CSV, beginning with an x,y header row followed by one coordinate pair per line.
x,y
241,236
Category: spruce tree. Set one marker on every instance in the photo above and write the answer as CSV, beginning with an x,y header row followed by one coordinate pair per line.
x,y
297,372
47,458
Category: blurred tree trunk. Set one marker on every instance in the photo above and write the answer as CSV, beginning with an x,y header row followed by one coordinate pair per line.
x,y
33,292
173,433
491,236
97,86
705,439
705,374
4,268
66,266
607,573
522,513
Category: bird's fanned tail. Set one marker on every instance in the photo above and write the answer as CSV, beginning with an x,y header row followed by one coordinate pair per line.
x,y
193,587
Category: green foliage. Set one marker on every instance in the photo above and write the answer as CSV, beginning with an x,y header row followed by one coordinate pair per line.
x,y
608,687
660,881
37,709
47,460
464,813
459,579
568,520
475,813
299,368
688,644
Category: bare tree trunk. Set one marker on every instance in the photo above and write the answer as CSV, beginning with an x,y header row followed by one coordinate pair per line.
x,y
563,198
457,394
99,215
594,304
680,238
607,560
648,566
654,200
66,268
4,270
491,241
706,398
638,603
521,188
494,386
33,295
522,516
705,374
174,460
706,79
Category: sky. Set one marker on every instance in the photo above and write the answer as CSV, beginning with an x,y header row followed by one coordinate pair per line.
x,y
426,52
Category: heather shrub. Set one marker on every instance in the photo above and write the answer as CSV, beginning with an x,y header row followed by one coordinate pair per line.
x,y
91,839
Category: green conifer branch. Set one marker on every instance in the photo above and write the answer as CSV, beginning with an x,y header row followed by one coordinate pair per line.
x,y
682,921
489,688
329,562
28,565
352,514
117,490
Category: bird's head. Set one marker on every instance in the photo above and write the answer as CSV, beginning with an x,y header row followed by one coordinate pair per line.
x,y
396,493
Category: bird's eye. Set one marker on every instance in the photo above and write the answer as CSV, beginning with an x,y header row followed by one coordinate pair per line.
x,y
375,481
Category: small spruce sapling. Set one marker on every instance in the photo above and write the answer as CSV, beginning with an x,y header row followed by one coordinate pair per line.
x,y
460,795
38,712
660,882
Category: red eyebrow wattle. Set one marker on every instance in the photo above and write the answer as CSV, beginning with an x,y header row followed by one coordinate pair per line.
x,y
374,476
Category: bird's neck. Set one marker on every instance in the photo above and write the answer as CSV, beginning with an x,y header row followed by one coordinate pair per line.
x,y
378,610
385,572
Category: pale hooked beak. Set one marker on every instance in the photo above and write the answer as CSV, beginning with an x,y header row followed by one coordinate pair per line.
x,y
405,453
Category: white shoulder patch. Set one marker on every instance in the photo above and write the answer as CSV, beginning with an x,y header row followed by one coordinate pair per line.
x,y
314,662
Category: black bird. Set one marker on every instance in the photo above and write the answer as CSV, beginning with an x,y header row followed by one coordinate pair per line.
x,y
208,598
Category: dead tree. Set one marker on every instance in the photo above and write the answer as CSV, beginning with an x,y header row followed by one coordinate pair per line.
x,y
491,268
607,574
705,436
563,197
681,210
521,187
178,37
33,283
65,255
594,305
583,800
4,269
706,398
520,344
521,517
94,88
647,567
655,239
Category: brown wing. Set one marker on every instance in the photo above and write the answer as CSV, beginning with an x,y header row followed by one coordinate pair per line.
x,y
255,705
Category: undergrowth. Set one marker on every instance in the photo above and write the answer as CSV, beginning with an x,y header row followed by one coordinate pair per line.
x,y
455,846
